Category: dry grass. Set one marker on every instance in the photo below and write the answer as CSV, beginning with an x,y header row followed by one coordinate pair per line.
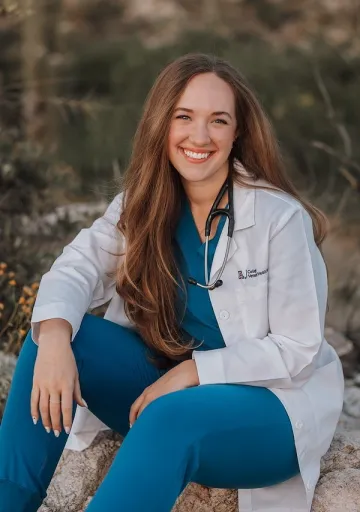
x,y
16,303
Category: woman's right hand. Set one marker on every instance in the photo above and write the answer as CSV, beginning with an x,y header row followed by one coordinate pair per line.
x,y
55,377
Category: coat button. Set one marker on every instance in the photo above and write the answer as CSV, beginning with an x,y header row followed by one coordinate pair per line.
x,y
299,424
224,315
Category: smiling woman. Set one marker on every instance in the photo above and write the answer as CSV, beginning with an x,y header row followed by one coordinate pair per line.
x,y
198,135
203,137
226,386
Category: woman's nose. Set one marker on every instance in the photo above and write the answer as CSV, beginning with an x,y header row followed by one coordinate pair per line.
x,y
199,135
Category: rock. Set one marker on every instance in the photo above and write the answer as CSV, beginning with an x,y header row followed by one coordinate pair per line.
x,y
344,453
337,340
348,423
352,402
356,380
79,473
205,499
338,486
7,366
338,492
74,213
346,350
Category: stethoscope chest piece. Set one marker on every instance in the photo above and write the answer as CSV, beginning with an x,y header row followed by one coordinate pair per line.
x,y
216,284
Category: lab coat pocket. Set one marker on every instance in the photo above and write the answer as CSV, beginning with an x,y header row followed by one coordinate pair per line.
x,y
252,298
252,288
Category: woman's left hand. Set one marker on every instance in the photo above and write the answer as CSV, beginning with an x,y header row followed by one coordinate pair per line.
x,y
182,376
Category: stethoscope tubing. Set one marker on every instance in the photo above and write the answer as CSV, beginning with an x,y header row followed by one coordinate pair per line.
x,y
215,211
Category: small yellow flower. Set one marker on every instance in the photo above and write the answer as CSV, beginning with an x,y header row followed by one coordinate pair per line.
x,y
30,300
22,300
35,286
3,265
27,290
11,274
1,306
12,282
22,332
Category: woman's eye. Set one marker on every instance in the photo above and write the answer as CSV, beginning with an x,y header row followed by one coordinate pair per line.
x,y
185,117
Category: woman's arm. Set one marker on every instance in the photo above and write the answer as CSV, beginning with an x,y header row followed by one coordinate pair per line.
x,y
76,280
59,326
297,294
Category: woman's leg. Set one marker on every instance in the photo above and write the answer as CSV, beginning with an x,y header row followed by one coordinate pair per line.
x,y
113,372
222,435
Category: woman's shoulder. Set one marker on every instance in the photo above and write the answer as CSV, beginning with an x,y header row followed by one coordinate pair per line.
x,y
114,207
267,198
272,208
271,198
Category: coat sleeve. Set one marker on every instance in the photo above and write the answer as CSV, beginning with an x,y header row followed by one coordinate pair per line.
x,y
297,295
77,279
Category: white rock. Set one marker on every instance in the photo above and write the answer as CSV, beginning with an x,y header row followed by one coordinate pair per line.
x,y
341,344
352,402
79,474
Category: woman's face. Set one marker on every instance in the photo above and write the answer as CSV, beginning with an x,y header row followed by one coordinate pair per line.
x,y
203,129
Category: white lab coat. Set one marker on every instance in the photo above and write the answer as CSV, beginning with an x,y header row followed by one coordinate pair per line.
x,y
270,310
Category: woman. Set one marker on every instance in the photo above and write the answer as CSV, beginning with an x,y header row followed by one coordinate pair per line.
x,y
231,385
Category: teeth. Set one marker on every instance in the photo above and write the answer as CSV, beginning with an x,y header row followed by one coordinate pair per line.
x,y
198,156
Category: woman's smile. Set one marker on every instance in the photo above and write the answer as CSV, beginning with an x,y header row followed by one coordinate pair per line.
x,y
196,157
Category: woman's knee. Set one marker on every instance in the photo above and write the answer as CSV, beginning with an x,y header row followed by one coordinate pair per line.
x,y
164,428
168,413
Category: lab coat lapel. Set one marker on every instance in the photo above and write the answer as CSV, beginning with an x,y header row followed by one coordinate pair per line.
x,y
244,211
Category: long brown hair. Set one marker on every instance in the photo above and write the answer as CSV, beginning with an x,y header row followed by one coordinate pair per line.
x,y
147,277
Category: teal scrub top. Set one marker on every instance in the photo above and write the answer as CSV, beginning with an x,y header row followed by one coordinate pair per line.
x,y
199,320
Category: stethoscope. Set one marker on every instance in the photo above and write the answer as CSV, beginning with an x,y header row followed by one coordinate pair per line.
x,y
229,212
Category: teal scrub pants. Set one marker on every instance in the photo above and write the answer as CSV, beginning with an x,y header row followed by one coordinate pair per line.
x,y
217,435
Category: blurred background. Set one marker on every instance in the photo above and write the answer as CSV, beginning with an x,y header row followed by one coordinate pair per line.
x,y
73,78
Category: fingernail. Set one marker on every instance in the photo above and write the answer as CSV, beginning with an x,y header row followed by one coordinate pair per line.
x,y
34,420
67,430
86,405
57,433
47,429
